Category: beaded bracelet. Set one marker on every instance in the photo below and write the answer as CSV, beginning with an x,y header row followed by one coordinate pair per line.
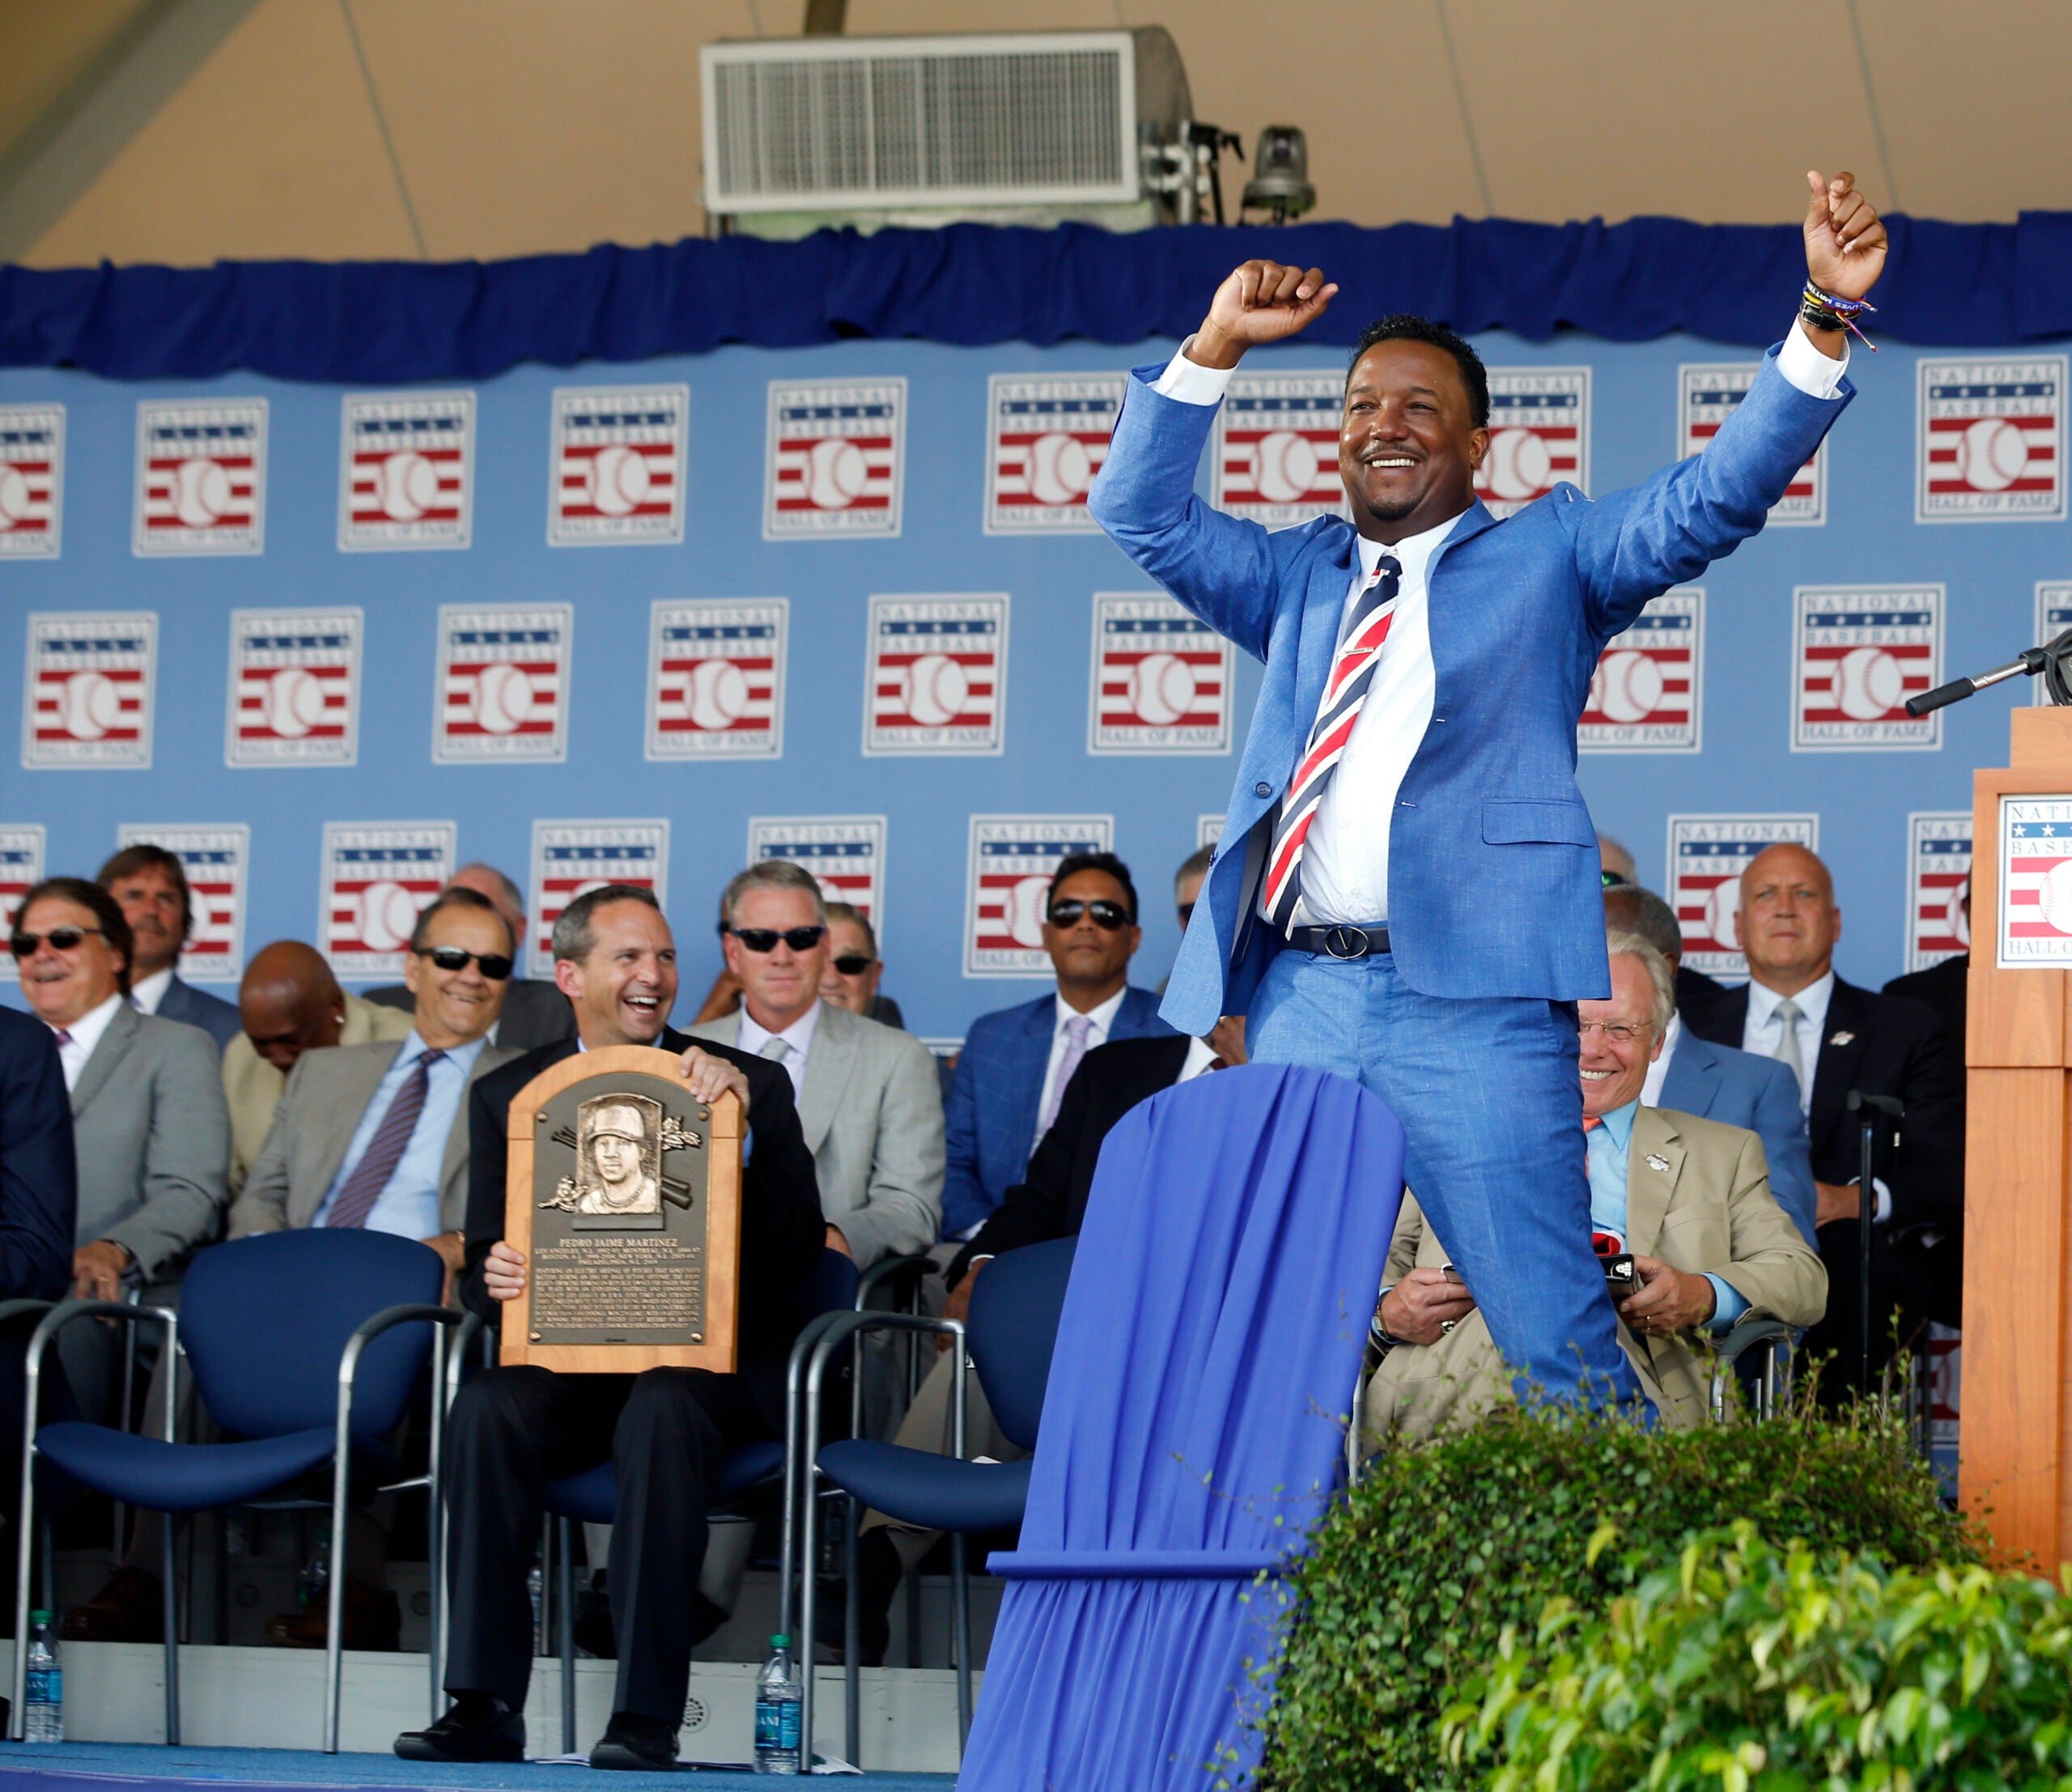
x,y
1825,311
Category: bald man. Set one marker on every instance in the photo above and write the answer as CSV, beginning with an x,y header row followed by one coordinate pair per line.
x,y
535,1013
289,1003
1835,1037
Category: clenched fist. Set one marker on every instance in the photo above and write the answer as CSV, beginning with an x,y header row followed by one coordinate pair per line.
x,y
1261,302
1844,237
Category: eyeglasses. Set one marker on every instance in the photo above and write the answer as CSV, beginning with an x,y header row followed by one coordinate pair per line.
x,y
61,939
1109,917
495,965
853,964
765,939
1616,1031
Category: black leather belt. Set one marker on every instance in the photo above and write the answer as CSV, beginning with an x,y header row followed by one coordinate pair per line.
x,y
1341,942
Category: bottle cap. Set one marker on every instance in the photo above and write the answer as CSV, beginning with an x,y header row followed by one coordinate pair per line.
x,y
39,1617
780,1641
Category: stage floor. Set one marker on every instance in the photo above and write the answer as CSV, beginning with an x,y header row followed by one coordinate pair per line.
x,y
124,1767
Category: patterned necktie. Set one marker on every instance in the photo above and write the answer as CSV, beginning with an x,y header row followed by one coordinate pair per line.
x,y
1788,1014
385,1149
1077,1030
1352,674
775,1049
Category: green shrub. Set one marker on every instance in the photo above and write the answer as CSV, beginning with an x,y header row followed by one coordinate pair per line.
x,y
1413,1578
1746,1668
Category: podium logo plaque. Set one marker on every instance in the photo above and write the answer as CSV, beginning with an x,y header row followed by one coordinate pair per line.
x,y
624,1194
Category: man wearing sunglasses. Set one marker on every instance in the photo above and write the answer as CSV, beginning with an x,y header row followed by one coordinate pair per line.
x,y
1015,1062
868,1094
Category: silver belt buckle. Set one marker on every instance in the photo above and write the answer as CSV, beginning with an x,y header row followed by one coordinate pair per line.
x,y
1354,937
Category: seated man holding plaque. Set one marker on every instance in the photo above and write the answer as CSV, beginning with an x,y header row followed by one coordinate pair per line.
x,y
517,1426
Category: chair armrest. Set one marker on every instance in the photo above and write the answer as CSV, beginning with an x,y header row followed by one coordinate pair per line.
x,y
124,1313
386,1319
884,1270
456,1357
1746,1334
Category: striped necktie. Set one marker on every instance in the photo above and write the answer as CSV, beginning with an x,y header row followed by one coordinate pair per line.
x,y
1351,674
385,1149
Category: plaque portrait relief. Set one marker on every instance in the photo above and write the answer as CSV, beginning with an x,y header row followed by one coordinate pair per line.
x,y
619,1158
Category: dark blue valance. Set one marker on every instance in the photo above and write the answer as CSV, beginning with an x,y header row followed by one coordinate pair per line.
x,y
1983,286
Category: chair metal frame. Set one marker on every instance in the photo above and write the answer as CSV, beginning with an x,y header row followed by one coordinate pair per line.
x,y
1774,1339
445,1380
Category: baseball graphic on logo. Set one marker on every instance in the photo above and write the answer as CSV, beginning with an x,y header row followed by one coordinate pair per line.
x,y
618,480
201,491
2055,897
1955,922
295,703
92,705
1991,455
835,473
717,693
1027,905
1518,466
1059,468
1161,689
388,912
1284,466
935,689
1867,683
1627,686
1723,903
410,486
503,698
14,497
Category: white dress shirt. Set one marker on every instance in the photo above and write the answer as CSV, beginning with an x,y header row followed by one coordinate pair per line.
x,y
86,1033
1763,1031
408,1204
1658,1071
1201,1054
753,1035
146,993
1345,857
1100,1019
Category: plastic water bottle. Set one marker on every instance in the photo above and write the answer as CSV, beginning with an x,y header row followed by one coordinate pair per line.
x,y
777,1693
44,1692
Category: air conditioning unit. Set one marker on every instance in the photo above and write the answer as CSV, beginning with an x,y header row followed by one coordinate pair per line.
x,y
850,129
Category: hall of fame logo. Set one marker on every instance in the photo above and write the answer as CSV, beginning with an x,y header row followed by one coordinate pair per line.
x,y
715,678
90,691
502,685
1990,440
407,471
845,854
1539,436
2054,617
2035,881
1644,696
1209,830
31,480
1161,679
1706,398
294,688
1275,456
1048,437
1938,877
936,677
216,860
1860,651
1707,855
836,451
618,466
376,876
1011,861
201,477
21,866
571,857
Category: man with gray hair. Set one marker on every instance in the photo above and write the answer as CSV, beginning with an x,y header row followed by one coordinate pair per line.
x,y
869,1097
1715,1081
535,1013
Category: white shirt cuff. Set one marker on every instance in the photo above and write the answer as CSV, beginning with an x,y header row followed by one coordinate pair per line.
x,y
1802,364
1193,384
1882,1209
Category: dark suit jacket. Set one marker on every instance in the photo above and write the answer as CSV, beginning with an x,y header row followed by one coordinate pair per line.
x,y
215,1017
39,1194
1945,987
782,1231
1695,990
1050,1202
535,1013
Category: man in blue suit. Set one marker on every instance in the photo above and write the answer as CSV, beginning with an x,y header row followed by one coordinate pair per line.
x,y
1407,888
38,1195
1717,1082
1015,1062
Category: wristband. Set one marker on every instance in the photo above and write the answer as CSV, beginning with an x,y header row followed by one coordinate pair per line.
x,y
1825,311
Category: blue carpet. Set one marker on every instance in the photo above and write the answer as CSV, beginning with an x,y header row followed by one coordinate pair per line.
x,y
121,1767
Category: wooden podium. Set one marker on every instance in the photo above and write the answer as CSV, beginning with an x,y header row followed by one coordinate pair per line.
x,y
2016,1467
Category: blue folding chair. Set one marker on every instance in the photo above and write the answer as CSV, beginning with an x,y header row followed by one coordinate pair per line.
x,y
293,1342
1010,1334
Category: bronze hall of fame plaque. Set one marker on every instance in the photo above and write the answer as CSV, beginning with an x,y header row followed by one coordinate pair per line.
x,y
624,1194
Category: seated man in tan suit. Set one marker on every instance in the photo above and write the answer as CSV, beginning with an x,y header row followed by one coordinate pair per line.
x,y
1690,1198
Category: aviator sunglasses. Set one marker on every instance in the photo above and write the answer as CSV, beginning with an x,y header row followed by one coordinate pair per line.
x,y
61,939
853,964
765,939
1109,917
495,965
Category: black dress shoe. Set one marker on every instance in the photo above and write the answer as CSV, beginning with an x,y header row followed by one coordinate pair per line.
x,y
478,1728
634,1744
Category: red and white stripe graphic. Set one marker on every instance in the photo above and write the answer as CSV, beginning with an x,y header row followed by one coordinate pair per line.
x,y
835,458
89,691
1049,436
1161,679
1708,396
569,858
717,681
377,877
407,471
502,681
1862,651
21,866
1012,858
1707,856
618,465
1275,456
1992,440
214,859
1939,854
32,471
294,687
937,672
1643,694
1539,436
845,854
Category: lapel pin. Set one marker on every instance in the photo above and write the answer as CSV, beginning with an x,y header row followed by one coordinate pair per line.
x,y
1656,1161
1839,1038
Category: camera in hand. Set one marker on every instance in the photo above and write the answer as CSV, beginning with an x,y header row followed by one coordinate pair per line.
x,y
1619,1276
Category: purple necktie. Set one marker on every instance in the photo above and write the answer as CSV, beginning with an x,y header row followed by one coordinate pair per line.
x,y
385,1149
1077,1030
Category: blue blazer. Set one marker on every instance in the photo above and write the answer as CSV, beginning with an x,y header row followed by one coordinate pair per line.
x,y
215,1017
1493,887
1717,1082
990,1115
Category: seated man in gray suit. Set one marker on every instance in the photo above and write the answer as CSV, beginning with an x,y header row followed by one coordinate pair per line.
x,y
150,885
868,1098
1689,1198
376,1136
535,1013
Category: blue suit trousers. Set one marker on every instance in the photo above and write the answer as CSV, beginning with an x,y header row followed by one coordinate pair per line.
x,y
1490,1100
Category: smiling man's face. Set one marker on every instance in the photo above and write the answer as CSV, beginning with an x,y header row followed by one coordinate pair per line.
x,y
1615,1069
1408,446
623,990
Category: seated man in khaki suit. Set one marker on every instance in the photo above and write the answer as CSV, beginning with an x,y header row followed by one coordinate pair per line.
x,y
1689,1198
